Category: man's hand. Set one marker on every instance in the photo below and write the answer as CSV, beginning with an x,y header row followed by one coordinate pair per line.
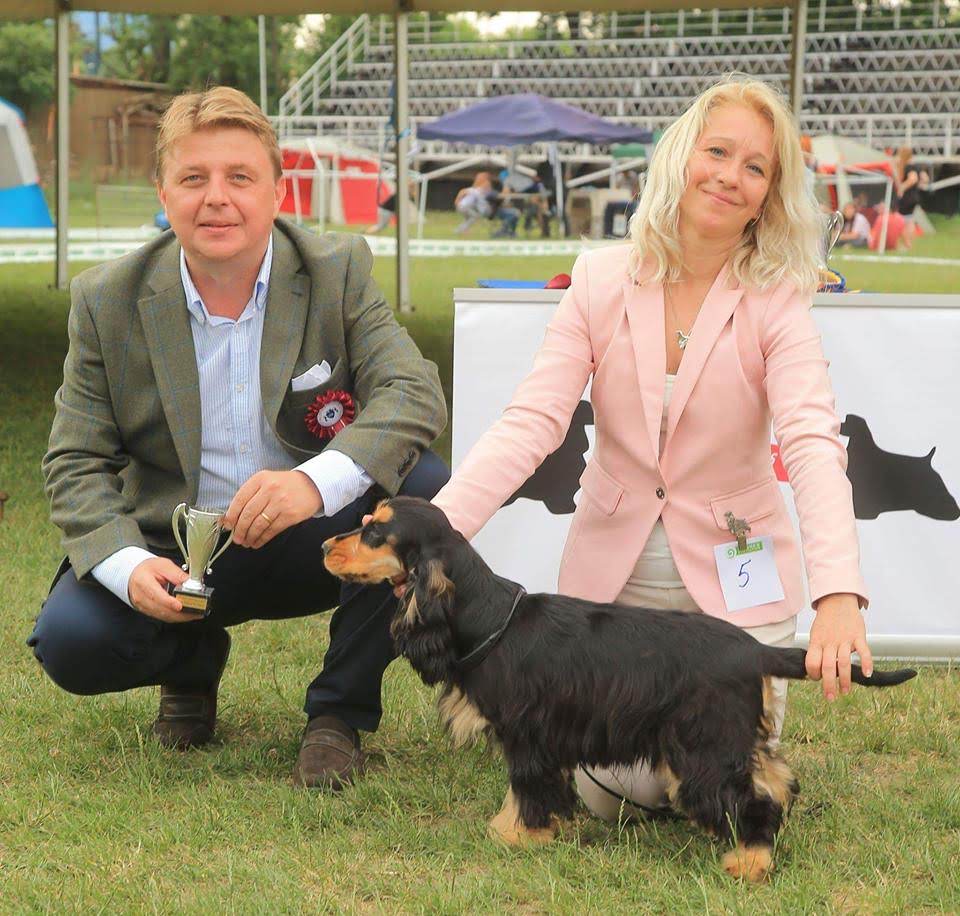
x,y
837,630
270,502
147,590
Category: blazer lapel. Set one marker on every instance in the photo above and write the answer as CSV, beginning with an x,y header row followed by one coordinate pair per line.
x,y
714,313
284,320
166,326
644,305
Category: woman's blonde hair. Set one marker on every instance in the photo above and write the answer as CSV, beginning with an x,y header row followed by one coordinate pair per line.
x,y
904,155
219,106
783,243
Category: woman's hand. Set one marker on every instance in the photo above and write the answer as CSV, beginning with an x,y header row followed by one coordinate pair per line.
x,y
837,630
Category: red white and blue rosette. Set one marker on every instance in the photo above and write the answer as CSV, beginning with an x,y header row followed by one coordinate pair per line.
x,y
329,413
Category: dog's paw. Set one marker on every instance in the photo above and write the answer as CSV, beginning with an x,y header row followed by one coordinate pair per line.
x,y
751,862
507,827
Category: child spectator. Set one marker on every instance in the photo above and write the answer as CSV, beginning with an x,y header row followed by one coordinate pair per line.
x,y
856,227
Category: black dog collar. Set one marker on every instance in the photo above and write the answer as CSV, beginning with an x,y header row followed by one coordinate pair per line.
x,y
480,652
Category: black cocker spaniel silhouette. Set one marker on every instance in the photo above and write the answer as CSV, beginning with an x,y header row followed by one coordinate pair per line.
x,y
887,482
557,480
882,481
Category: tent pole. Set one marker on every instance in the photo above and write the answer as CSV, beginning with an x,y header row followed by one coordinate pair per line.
x,y
402,146
424,187
262,49
887,202
558,175
63,143
797,49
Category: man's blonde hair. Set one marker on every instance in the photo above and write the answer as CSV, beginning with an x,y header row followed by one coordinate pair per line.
x,y
782,244
220,106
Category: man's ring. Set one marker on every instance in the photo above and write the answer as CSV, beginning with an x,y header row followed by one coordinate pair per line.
x,y
267,517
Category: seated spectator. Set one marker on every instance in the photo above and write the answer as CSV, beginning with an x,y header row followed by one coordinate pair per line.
x,y
507,215
856,228
895,227
534,200
475,202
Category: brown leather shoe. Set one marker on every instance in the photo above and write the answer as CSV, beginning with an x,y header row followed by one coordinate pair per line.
x,y
330,755
188,717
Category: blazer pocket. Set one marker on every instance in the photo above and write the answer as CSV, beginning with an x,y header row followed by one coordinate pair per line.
x,y
305,397
601,488
751,503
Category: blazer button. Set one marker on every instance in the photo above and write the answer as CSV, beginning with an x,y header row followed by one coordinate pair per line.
x,y
660,493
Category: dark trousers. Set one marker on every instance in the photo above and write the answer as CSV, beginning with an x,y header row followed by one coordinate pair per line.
x,y
90,642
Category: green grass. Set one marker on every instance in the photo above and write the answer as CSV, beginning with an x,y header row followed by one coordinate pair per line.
x,y
94,817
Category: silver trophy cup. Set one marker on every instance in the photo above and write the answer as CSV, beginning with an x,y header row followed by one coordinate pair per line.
x,y
204,528
832,227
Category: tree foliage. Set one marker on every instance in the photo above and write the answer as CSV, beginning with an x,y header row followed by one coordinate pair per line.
x,y
192,52
26,63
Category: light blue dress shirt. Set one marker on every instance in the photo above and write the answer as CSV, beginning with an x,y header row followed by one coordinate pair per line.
x,y
236,439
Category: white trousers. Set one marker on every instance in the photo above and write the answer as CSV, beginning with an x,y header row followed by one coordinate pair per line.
x,y
629,790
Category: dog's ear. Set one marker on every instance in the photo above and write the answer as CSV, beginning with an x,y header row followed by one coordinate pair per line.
x,y
421,630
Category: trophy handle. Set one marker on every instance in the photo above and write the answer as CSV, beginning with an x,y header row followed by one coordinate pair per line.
x,y
226,544
179,513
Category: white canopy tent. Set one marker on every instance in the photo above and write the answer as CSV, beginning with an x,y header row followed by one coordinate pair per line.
x,y
59,10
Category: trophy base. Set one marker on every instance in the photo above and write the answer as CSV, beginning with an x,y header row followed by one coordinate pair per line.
x,y
194,601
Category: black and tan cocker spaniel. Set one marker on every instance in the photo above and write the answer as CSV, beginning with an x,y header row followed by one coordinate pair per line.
x,y
561,682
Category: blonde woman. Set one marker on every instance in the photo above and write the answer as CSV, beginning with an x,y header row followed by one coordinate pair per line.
x,y
697,335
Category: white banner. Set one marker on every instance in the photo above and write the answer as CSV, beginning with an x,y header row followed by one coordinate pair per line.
x,y
894,369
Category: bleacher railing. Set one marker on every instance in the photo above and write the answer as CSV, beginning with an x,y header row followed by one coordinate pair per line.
x,y
320,79
931,136
821,17
911,29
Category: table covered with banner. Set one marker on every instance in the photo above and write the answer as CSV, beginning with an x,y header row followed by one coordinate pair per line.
x,y
896,375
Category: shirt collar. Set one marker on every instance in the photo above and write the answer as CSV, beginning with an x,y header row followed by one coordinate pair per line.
x,y
260,287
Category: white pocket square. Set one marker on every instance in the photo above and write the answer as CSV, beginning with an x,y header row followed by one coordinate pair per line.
x,y
315,375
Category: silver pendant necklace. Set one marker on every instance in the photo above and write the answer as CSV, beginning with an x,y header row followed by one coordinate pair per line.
x,y
682,339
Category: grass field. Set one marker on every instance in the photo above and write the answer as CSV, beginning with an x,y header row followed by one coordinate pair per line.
x,y
94,817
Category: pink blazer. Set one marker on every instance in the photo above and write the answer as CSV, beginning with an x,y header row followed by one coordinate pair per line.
x,y
752,357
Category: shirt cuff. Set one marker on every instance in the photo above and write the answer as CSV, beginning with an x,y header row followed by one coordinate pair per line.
x,y
339,479
114,572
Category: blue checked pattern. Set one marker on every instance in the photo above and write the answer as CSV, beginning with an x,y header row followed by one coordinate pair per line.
x,y
127,439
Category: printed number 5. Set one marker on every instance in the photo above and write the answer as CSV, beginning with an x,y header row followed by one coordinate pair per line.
x,y
743,574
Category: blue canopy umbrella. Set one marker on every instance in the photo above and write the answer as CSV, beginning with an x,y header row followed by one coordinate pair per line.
x,y
508,120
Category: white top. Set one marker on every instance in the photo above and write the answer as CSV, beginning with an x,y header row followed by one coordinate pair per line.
x,y
655,566
860,225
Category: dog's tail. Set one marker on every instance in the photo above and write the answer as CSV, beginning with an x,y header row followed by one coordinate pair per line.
x,y
790,663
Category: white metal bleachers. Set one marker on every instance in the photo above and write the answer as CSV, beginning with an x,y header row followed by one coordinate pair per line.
x,y
884,84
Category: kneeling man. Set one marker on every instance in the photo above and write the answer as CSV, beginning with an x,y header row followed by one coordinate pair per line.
x,y
242,365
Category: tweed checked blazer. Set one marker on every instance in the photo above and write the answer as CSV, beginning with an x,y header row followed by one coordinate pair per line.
x,y
124,448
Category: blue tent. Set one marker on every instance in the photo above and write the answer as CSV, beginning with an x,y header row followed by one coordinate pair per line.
x,y
509,120
512,120
21,199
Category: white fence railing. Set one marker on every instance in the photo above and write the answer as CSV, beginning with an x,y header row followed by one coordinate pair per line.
x,y
930,135
321,78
